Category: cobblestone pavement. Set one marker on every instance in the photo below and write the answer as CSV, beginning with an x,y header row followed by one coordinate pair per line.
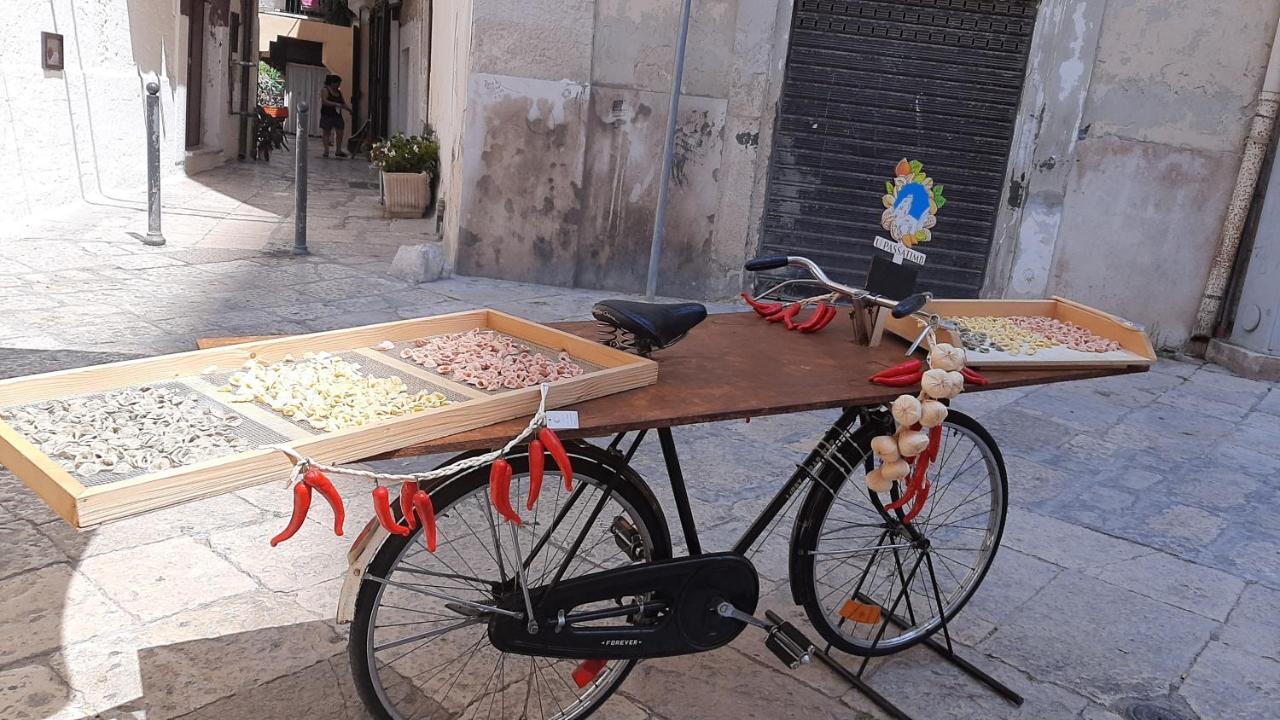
x,y
1141,561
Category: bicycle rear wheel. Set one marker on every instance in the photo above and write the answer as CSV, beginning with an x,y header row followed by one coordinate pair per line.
x,y
419,657
873,585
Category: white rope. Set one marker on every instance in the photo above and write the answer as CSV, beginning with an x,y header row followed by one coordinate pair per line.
x,y
301,462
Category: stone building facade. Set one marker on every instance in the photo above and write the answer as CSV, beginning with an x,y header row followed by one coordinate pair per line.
x,y
1126,144
79,132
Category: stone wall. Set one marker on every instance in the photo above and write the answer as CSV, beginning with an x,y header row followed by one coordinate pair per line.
x,y
79,133
1138,114
566,111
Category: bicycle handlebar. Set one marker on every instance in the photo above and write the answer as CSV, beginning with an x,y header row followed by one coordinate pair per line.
x,y
911,305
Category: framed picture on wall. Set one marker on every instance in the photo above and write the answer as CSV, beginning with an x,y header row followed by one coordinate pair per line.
x,y
51,56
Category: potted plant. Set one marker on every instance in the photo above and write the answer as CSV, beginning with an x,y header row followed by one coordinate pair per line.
x,y
271,91
408,163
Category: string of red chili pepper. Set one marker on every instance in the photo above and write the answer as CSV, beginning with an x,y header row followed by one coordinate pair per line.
x,y
312,479
786,313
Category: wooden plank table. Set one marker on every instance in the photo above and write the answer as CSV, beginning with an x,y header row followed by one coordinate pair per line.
x,y
735,365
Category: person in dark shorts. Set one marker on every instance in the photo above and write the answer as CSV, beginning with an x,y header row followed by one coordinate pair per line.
x,y
331,106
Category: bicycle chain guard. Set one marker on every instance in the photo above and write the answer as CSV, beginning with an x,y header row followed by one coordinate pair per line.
x,y
688,590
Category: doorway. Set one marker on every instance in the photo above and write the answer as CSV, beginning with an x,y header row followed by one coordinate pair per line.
x,y
869,82
195,72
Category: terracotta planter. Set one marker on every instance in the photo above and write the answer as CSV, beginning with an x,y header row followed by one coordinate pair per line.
x,y
406,195
280,113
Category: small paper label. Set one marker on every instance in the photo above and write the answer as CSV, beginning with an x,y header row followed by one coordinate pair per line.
x,y
898,250
562,419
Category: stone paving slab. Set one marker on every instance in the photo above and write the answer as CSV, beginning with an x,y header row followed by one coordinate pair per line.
x,y
1107,642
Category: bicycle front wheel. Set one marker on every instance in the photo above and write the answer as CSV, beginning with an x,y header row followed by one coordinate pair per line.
x,y
873,584
417,655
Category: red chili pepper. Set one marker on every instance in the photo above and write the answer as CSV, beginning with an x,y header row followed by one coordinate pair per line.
x,y
586,672
909,366
935,442
407,490
898,380
500,490
382,509
921,498
320,483
913,485
789,320
974,376
819,312
301,504
536,462
422,505
788,312
904,499
553,445
822,322
763,308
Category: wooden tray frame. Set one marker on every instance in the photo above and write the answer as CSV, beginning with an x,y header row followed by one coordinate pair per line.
x,y
84,506
1130,336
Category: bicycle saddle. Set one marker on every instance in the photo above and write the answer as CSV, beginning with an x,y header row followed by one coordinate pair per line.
x,y
651,326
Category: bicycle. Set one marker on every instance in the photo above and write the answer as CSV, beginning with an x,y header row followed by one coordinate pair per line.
x,y
548,617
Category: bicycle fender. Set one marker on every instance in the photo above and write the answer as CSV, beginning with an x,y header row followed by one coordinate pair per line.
x,y
359,556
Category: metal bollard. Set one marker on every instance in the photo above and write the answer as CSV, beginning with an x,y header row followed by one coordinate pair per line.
x,y
153,237
300,183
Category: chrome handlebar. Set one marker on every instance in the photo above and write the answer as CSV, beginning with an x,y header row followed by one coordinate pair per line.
x,y
911,305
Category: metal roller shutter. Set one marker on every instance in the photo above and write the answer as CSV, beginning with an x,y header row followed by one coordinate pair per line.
x,y
868,83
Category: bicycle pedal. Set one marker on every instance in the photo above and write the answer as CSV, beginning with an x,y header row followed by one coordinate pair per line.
x,y
787,643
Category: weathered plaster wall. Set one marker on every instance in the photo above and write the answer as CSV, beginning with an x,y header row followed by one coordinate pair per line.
x,y
565,127
446,111
1134,122
79,133
522,175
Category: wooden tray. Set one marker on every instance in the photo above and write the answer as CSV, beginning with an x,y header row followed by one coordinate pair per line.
x,y
1135,349
84,504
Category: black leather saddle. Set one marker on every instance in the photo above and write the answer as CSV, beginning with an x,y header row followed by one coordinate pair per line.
x,y
645,327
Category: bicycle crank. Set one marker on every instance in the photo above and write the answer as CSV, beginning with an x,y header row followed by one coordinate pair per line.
x,y
657,609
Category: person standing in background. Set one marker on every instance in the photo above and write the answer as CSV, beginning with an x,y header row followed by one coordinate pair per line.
x,y
331,106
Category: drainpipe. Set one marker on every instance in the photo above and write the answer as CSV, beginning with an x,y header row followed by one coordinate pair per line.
x,y
1255,152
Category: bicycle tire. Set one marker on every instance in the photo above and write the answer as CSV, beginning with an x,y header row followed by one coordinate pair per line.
x,y
817,507
591,465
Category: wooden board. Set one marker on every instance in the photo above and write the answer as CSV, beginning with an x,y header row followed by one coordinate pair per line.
x,y
83,505
1135,346
735,366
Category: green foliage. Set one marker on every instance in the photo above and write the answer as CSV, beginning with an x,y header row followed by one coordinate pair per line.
x,y
407,153
270,86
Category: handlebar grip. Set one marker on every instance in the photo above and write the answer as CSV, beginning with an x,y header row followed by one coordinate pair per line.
x,y
766,263
910,305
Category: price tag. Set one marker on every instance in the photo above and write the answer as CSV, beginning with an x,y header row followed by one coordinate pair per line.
x,y
562,419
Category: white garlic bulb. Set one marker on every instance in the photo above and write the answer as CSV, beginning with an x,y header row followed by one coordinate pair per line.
x,y
911,443
946,357
906,410
877,482
939,385
885,447
956,379
932,413
895,469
